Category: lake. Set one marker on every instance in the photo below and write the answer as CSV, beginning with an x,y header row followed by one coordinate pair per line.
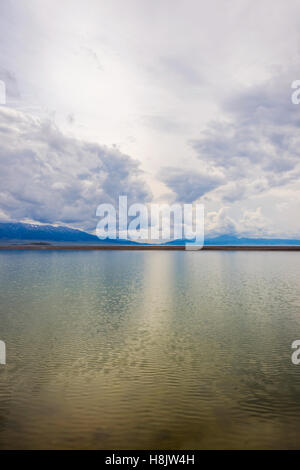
x,y
149,350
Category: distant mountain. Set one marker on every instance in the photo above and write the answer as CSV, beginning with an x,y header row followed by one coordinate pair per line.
x,y
28,233
25,233
230,240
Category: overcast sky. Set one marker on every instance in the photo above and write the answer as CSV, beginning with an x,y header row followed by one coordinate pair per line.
x,y
163,100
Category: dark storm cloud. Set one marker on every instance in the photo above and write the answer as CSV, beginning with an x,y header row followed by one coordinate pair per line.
x,y
258,145
188,185
50,177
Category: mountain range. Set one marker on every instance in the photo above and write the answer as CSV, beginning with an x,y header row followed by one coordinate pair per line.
x,y
11,232
232,240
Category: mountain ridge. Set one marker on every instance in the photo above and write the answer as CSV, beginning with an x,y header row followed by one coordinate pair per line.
x,y
231,240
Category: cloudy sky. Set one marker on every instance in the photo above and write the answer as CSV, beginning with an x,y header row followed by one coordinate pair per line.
x,y
162,100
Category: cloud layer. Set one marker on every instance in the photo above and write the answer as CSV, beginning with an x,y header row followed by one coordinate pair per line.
x,y
193,98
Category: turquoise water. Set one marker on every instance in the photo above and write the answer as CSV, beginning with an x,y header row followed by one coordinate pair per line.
x,y
149,350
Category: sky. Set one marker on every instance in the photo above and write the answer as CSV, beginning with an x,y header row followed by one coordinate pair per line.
x,y
161,100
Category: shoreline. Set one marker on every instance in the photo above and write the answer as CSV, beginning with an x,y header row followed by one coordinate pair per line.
x,y
151,247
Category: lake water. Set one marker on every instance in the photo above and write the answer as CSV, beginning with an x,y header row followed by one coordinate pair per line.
x,y
169,350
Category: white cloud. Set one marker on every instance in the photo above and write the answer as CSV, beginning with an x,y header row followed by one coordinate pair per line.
x,y
250,223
